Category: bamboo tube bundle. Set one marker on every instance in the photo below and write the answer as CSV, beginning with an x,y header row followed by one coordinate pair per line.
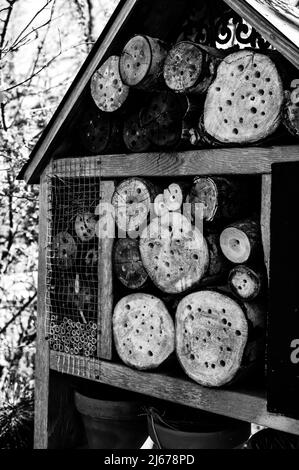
x,y
99,132
163,119
220,198
218,339
128,265
190,68
141,62
85,225
174,253
245,102
143,331
241,241
136,136
107,88
65,250
132,201
245,282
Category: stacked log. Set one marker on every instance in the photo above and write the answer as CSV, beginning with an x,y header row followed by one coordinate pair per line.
x,y
64,250
136,136
85,225
218,339
241,241
245,282
107,88
141,63
143,331
128,265
174,253
291,109
132,201
245,102
170,200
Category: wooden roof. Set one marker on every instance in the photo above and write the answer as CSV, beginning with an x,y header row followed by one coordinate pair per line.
x,y
127,18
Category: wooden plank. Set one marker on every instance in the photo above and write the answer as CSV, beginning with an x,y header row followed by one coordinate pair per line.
x,y
42,348
244,405
266,219
248,160
105,289
281,42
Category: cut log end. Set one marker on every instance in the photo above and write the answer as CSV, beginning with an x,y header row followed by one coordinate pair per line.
x,y
183,66
135,136
244,103
245,283
128,265
241,241
95,131
211,335
143,331
85,225
204,194
107,88
65,250
174,253
132,202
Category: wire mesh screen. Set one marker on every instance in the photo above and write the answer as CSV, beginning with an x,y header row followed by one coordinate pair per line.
x,y
72,258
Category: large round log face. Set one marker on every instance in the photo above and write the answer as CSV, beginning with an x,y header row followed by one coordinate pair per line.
x,y
211,335
128,264
244,103
132,203
107,88
174,253
143,331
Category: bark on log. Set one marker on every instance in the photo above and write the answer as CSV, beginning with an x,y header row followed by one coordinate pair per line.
x,y
141,63
245,102
128,265
291,112
65,250
85,226
143,331
217,339
221,198
136,136
190,67
245,282
107,88
218,265
98,132
132,201
174,253
241,241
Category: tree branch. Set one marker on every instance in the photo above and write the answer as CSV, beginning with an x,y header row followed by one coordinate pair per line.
x,y
22,309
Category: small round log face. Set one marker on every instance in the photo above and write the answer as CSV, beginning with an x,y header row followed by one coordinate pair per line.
x,y
128,265
211,335
244,282
85,225
235,245
95,130
163,120
244,103
174,253
65,250
141,62
107,89
291,112
91,258
143,331
204,196
135,136
132,203
183,67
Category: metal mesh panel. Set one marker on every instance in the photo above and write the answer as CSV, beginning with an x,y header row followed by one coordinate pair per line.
x,y
72,258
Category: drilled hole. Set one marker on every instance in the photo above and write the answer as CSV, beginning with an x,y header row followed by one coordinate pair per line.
x,y
235,131
238,333
222,363
253,110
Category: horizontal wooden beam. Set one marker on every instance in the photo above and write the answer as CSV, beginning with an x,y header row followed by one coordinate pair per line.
x,y
247,161
247,406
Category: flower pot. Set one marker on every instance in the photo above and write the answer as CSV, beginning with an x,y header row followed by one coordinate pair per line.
x,y
216,433
112,424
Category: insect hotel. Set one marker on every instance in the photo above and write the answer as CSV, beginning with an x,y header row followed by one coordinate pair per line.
x,y
168,193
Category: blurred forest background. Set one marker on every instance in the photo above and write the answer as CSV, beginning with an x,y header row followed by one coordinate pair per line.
x,y
43,43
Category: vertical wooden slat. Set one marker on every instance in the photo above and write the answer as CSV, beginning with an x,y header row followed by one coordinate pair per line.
x,y
42,348
266,218
105,289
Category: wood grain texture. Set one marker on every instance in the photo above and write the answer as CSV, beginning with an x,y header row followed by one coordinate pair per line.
x,y
266,29
42,348
266,219
105,286
236,403
247,160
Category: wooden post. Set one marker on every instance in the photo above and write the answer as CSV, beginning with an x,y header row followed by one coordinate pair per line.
x,y
42,347
266,218
105,288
